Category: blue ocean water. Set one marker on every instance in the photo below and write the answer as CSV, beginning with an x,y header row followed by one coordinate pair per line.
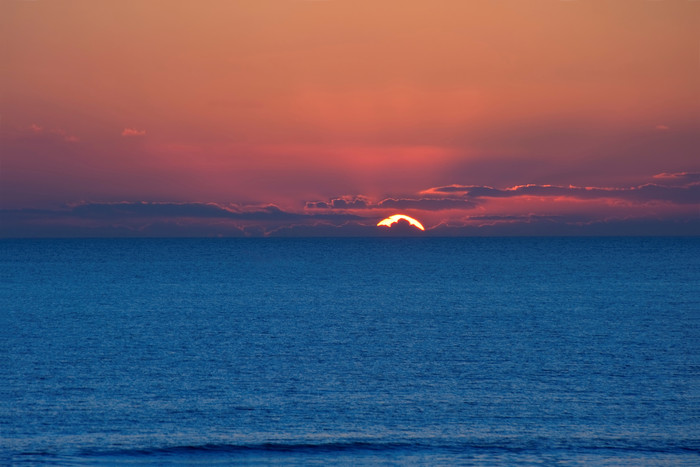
x,y
389,351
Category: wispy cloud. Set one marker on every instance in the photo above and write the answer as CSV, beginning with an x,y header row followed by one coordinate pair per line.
x,y
133,132
684,194
64,135
668,206
53,134
678,188
350,203
677,178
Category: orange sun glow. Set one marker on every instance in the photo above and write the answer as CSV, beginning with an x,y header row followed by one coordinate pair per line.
x,y
397,217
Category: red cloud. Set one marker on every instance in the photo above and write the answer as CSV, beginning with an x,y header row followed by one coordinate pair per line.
x,y
667,207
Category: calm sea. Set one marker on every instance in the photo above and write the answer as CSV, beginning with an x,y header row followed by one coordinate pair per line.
x,y
395,351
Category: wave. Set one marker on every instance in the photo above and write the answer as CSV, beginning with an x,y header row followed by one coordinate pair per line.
x,y
501,450
268,447
368,447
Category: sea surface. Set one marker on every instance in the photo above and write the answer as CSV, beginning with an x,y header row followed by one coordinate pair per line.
x,y
389,351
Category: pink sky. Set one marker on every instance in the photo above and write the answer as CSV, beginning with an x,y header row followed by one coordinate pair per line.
x,y
251,117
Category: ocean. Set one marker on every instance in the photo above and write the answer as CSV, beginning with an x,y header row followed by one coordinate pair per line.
x,y
384,351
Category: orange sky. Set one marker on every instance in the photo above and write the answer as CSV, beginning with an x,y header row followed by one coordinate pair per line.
x,y
286,102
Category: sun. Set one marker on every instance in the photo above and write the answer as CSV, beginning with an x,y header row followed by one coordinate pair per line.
x,y
397,217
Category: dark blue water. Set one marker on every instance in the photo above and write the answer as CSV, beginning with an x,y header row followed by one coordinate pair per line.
x,y
350,351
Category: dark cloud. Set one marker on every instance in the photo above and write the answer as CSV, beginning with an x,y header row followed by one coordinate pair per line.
x,y
155,219
350,229
548,226
352,203
685,194
429,204
317,205
344,202
529,218
401,228
473,190
353,215
188,210
148,210
681,188
678,178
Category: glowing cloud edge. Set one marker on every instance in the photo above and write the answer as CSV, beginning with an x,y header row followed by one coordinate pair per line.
x,y
397,217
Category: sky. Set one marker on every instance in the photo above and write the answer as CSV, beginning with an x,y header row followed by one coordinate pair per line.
x,y
322,117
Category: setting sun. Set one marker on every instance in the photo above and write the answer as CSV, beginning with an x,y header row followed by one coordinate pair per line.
x,y
389,221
